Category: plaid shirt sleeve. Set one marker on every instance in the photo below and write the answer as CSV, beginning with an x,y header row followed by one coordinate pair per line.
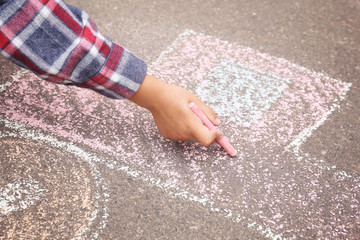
x,y
61,44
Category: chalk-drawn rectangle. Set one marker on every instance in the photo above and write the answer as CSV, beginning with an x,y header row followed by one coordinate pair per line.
x,y
240,94
266,186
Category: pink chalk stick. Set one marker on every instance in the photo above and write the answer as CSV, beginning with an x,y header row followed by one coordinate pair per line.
x,y
223,141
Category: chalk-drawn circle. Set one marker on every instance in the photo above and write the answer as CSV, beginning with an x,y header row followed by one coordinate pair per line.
x,y
62,199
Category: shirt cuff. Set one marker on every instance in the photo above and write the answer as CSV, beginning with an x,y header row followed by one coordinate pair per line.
x,y
120,77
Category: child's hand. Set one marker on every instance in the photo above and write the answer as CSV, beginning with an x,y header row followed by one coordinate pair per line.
x,y
169,105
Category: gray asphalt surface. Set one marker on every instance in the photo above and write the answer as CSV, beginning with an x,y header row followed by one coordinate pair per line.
x,y
58,181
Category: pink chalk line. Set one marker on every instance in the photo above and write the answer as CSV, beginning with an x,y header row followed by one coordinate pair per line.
x,y
72,114
21,131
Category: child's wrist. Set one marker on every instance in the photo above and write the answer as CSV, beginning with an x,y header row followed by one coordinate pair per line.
x,y
148,93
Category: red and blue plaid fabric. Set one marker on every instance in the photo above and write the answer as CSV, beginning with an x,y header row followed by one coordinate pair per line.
x,y
61,44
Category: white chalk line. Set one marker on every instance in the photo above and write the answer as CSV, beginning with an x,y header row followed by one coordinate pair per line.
x,y
7,84
23,132
302,137
177,192
170,189
4,86
19,195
